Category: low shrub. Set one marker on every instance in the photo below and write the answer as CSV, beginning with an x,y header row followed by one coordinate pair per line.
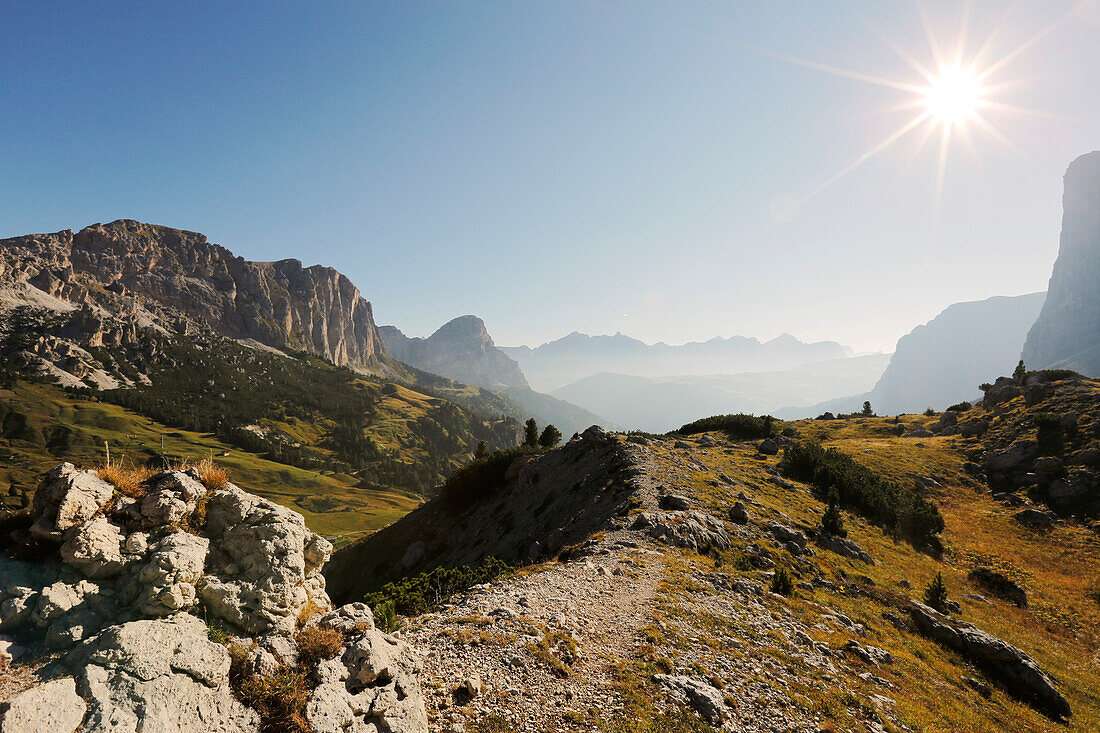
x,y
832,521
420,593
960,407
316,644
781,582
211,474
1050,436
895,507
483,476
737,427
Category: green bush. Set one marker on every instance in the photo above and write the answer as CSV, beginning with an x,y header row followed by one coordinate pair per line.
x,y
421,593
1050,437
482,476
781,583
897,508
737,427
960,407
833,521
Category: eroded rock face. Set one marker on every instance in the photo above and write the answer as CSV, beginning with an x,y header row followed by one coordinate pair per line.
x,y
281,304
1067,331
162,675
53,706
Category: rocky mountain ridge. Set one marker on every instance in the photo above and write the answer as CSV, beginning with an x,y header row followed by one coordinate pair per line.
x,y
460,349
463,350
942,362
175,274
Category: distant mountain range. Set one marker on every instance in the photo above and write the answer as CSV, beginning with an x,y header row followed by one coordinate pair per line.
x,y
462,350
576,356
943,361
665,403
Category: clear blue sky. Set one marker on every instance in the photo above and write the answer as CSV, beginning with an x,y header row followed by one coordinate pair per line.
x,y
554,166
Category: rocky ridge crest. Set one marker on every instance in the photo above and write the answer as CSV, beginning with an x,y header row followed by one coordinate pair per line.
x,y
162,278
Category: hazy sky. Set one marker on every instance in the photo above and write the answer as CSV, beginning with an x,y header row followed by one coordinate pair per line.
x,y
558,166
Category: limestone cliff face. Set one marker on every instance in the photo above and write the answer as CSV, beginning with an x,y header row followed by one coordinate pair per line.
x,y
461,350
1067,332
281,304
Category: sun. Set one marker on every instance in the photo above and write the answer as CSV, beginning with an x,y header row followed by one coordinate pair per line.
x,y
954,96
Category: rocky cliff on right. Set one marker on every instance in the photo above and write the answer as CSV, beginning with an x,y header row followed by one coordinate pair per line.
x,y
1067,333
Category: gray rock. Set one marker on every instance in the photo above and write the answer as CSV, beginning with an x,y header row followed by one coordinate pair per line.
x,y
372,687
696,694
257,572
162,675
842,546
673,502
768,447
786,535
53,707
1035,518
738,513
1018,672
693,530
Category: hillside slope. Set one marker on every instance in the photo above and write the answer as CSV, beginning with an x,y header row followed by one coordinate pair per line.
x,y
663,620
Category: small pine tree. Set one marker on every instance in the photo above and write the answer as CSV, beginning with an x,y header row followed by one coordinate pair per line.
x,y
1021,371
481,450
833,521
929,412
550,437
531,433
935,595
867,411
781,582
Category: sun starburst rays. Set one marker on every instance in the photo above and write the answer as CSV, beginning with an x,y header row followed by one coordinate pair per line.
x,y
953,96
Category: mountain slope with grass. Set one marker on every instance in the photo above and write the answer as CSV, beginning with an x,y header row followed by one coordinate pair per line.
x,y
748,574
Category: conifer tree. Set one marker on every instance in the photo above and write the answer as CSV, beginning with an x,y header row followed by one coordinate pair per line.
x,y
935,595
550,437
531,433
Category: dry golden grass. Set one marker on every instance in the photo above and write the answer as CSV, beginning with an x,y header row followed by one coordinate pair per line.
x,y
211,474
129,480
315,644
1060,629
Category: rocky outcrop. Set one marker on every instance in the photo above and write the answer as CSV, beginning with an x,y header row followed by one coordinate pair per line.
x,y
121,602
1018,672
252,563
1067,332
371,686
163,275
